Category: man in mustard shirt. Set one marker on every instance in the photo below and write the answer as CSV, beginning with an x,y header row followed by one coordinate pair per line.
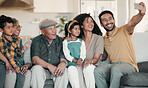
x,y
119,46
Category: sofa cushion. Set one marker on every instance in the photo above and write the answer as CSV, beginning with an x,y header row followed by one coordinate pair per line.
x,y
50,84
143,66
135,79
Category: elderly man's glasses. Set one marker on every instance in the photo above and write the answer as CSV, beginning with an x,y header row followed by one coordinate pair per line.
x,y
17,26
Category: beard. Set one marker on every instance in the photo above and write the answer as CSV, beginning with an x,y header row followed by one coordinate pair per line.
x,y
108,29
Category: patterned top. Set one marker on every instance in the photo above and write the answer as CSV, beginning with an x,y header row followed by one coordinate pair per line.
x,y
51,53
10,49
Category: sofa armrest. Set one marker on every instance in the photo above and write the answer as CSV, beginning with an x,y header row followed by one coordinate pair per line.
x,y
143,66
135,79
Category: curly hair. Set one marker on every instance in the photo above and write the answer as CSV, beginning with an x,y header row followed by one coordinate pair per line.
x,y
81,17
3,20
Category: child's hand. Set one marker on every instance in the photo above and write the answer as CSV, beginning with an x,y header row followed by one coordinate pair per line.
x,y
74,60
9,67
79,62
17,69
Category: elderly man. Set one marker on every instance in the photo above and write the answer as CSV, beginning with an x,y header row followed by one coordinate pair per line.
x,y
48,58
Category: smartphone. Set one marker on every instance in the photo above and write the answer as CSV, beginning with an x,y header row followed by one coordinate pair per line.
x,y
138,6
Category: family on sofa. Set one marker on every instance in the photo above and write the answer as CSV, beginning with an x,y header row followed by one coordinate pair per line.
x,y
74,59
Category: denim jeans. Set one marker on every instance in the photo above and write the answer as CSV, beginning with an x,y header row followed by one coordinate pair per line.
x,y
112,73
2,74
20,78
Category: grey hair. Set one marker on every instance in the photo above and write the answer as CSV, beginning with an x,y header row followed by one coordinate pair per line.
x,y
14,21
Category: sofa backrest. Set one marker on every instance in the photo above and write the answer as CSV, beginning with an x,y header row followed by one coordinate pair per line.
x,y
140,41
143,66
27,57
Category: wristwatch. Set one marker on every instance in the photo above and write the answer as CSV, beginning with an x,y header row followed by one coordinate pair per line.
x,y
65,62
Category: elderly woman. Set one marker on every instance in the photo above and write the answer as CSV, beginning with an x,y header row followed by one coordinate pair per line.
x,y
24,62
92,36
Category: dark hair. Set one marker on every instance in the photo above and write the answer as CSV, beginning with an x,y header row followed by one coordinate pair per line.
x,y
3,20
81,17
105,12
70,25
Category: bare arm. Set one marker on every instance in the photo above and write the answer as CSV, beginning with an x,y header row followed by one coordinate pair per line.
x,y
136,19
96,58
3,58
104,55
38,61
26,46
92,61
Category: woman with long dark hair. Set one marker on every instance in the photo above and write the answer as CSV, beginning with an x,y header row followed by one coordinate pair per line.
x,y
92,36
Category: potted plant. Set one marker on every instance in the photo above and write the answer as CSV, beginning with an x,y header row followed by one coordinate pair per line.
x,y
61,26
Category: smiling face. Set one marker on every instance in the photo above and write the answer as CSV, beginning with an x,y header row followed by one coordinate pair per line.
x,y
49,32
88,24
108,22
17,29
8,29
75,31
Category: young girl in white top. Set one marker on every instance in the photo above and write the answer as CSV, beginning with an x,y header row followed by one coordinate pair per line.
x,y
75,52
